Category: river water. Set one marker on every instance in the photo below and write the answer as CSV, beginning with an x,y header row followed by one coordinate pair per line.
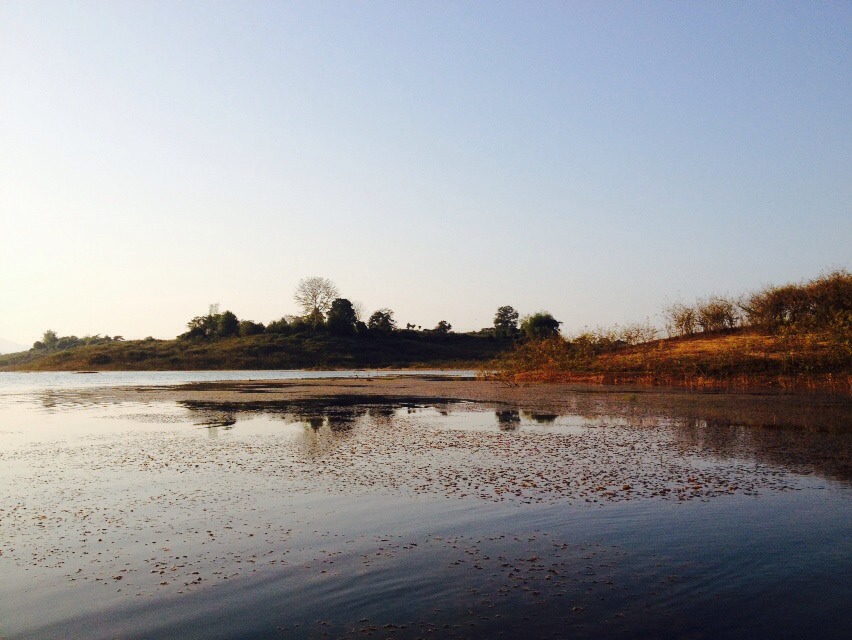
x,y
406,519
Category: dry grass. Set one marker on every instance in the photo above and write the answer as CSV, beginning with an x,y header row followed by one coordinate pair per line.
x,y
733,358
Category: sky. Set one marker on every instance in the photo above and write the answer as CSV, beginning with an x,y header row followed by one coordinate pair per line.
x,y
598,160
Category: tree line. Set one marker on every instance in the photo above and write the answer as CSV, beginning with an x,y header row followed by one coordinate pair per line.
x,y
823,305
323,309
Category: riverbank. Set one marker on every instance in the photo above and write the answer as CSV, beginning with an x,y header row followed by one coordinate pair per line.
x,y
735,359
303,350
825,412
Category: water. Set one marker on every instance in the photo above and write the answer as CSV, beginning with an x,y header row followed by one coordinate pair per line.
x,y
406,519
31,381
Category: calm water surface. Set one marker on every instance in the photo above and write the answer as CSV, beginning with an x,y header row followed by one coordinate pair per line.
x,y
408,520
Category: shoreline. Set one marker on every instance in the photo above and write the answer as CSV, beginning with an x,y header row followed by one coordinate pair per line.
x,y
765,408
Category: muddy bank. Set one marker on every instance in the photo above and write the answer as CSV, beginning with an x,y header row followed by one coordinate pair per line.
x,y
822,412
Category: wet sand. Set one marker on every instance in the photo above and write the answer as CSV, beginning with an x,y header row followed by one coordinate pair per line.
x,y
758,408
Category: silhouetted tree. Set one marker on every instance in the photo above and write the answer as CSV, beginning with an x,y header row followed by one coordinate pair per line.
x,y
382,321
506,322
341,317
443,327
249,328
540,325
227,325
278,326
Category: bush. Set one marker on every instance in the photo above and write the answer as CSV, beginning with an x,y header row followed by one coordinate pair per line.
x,y
717,313
249,328
382,321
680,319
824,303
280,326
539,326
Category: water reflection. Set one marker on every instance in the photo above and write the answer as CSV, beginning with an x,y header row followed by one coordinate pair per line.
x,y
325,427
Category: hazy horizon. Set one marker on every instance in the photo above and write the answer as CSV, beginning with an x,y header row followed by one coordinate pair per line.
x,y
595,160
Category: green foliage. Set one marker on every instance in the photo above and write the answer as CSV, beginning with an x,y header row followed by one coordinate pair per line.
x,y
539,326
212,326
315,319
50,341
342,318
296,350
506,323
227,325
280,326
382,321
249,328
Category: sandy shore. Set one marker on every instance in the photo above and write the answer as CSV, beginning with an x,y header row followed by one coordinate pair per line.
x,y
752,408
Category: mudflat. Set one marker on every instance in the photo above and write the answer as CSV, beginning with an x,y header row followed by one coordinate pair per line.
x,y
754,408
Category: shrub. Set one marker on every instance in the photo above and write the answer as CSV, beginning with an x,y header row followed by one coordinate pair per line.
x,y
824,303
249,328
680,319
717,313
280,326
539,326
382,321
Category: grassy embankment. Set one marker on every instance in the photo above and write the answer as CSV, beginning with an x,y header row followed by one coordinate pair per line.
x,y
309,350
740,357
792,336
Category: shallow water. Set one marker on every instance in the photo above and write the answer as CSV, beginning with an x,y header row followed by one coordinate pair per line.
x,y
406,520
11,381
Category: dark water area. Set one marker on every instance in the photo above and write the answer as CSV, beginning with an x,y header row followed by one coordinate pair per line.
x,y
416,519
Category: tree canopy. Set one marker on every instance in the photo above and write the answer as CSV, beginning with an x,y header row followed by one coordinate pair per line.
x,y
506,322
342,317
382,321
540,325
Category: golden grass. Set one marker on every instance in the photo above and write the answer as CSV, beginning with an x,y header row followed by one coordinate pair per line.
x,y
734,358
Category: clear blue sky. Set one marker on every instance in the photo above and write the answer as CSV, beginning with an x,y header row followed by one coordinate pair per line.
x,y
595,159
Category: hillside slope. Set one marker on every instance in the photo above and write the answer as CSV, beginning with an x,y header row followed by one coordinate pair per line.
x,y
310,350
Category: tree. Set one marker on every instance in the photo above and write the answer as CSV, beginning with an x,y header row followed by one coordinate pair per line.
x,y
341,317
540,325
218,325
443,327
315,294
227,324
49,339
278,326
506,322
382,321
249,328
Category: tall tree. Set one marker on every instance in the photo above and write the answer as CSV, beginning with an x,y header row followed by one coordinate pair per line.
x,y
506,322
341,317
315,294
540,325
382,321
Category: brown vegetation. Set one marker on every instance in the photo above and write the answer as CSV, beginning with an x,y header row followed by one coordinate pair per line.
x,y
795,336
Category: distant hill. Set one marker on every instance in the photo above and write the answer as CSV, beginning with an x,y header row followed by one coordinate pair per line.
x,y
305,350
7,346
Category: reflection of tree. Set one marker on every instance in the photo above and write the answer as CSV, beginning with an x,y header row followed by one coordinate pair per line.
x,y
508,419
778,431
325,431
540,418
